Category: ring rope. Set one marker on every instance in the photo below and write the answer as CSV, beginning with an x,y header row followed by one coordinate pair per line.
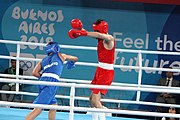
x,y
103,100
177,90
84,109
90,48
93,86
96,64
138,87
87,82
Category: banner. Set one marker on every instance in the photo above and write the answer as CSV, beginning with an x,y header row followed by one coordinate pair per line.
x,y
133,29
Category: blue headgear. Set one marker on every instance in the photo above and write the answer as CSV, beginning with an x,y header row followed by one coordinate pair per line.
x,y
52,47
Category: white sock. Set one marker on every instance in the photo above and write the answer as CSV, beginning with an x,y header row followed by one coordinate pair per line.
x,y
102,116
94,116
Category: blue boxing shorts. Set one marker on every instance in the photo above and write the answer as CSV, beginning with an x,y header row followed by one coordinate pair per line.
x,y
46,93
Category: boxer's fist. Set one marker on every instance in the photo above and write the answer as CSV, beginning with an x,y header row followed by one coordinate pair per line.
x,y
73,33
70,65
76,24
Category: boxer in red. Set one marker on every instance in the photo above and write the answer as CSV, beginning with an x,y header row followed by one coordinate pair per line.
x,y
106,48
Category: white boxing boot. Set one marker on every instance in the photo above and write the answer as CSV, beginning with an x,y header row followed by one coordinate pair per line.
x,y
94,116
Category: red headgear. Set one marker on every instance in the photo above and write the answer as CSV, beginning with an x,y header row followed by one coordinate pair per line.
x,y
101,27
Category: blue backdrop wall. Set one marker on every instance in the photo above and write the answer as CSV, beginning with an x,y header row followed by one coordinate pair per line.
x,y
135,26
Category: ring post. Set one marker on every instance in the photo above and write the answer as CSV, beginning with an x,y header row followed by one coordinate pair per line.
x,y
17,66
139,75
72,94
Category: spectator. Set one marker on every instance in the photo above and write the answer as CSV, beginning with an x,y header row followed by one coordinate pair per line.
x,y
10,86
168,98
172,111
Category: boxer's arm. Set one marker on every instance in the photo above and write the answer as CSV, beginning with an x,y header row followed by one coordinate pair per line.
x,y
74,33
78,31
36,71
64,57
70,61
106,37
71,58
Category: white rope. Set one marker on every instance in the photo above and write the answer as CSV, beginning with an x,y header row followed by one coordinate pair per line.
x,y
91,48
103,100
88,82
162,89
130,87
83,109
84,81
177,90
96,64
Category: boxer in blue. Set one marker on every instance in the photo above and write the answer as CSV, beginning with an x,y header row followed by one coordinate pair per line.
x,y
51,67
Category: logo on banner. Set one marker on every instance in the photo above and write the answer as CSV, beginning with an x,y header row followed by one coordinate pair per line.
x,y
36,25
25,65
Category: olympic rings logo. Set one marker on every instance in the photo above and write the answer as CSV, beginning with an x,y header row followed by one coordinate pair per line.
x,y
25,65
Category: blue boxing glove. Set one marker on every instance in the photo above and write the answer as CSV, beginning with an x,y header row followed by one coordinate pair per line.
x,y
70,65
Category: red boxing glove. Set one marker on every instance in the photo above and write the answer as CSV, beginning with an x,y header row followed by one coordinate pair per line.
x,y
76,24
73,33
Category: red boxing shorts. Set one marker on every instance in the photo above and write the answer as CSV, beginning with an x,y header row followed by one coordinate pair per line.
x,y
102,77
